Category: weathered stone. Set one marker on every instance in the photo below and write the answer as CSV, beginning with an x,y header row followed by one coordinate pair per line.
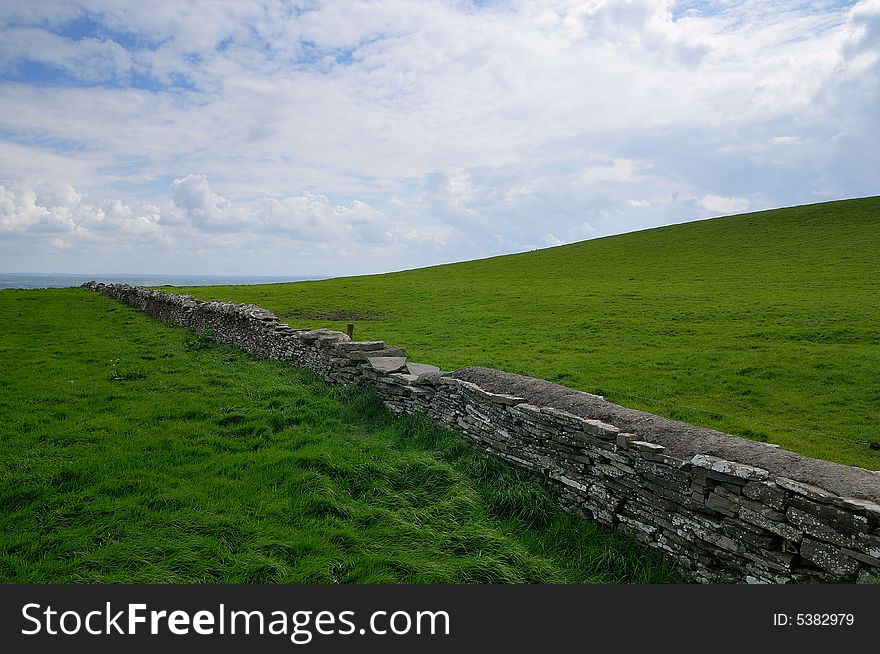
x,y
623,467
778,561
753,535
777,525
479,415
360,346
636,524
418,390
310,336
404,378
663,497
525,411
666,460
734,487
421,368
859,556
807,490
865,507
870,544
719,500
502,399
809,576
816,528
720,540
722,466
644,446
663,475
828,558
599,429
331,339
569,482
766,493
869,576
772,576
832,514
494,398
553,417
715,478
363,355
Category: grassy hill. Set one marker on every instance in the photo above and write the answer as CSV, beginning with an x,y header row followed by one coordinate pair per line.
x,y
135,452
765,325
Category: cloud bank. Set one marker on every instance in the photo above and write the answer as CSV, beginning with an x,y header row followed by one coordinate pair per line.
x,y
345,137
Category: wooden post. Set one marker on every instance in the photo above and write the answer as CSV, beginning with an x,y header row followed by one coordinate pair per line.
x,y
349,329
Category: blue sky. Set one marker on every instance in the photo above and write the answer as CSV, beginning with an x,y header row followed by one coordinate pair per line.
x,y
350,137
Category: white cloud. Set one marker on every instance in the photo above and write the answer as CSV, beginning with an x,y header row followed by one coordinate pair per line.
x,y
617,170
51,208
784,140
199,222
720,204
27,162
90,60
585,230
304,217
428,130
203,207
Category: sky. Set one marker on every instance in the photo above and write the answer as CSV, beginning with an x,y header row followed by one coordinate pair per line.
x,y
337,138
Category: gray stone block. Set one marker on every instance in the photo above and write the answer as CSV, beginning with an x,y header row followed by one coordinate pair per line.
x,y
777,525
828,558
865,507
800,488
864,558
765,492
718,501
363,355
644,446
360,346
387,365
421,368
832,514
722,466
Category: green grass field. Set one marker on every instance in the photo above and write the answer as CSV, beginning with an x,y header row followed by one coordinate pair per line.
x,y
765,325
132,451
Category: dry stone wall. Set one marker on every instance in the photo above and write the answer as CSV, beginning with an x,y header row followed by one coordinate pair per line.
x,y
724,509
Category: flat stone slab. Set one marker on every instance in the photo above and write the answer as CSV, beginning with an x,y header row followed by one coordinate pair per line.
x,y
385,352
743,471
360,346
404,378
387,364
421,368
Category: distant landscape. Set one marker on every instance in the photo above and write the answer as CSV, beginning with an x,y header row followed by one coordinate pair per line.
x,y
135,451
66,280
439,292
763,325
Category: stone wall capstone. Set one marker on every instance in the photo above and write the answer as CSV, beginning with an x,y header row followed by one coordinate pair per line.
x,y
724,509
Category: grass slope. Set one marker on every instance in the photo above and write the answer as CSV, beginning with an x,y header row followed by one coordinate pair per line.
x,y
765,325
132,451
